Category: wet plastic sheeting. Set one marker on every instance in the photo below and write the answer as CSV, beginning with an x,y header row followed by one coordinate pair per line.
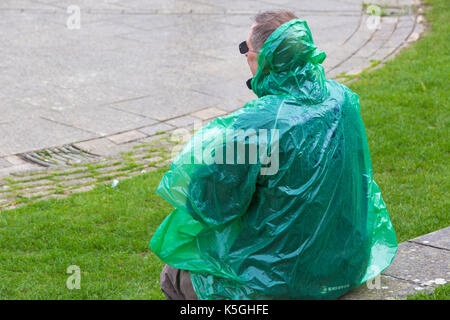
x,y
306,220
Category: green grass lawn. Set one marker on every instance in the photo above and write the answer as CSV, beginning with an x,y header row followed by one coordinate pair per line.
x,y
405,107
105,232
441,293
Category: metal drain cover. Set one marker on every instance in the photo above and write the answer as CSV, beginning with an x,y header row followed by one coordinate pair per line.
x,y
60,156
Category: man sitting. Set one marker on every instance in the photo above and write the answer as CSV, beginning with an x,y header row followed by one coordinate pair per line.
x,y
280,202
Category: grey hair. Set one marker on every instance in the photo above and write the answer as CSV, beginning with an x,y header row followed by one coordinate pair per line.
x,y
266,23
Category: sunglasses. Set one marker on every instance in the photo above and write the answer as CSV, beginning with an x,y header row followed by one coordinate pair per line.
x,y
243,47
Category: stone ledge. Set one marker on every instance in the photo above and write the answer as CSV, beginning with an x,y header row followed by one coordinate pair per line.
x,y
417,267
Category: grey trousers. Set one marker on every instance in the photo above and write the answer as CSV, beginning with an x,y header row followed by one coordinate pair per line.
x,y
176,284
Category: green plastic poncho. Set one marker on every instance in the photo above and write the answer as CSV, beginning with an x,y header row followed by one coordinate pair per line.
x,y
305,220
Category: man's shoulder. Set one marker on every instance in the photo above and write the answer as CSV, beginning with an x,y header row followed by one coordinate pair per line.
x,y
265,103
340,91
257,113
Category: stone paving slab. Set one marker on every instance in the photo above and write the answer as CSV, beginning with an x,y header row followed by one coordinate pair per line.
x,y
99,121
183,121
125,137
36,134
208,113
154,129
97,146
4,163
439,239
420,264
104,147
388,289
24,167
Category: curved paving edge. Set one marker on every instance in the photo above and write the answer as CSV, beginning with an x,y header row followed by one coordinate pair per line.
x,y
384,43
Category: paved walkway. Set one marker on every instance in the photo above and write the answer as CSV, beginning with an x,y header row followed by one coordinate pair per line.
x,y
136,67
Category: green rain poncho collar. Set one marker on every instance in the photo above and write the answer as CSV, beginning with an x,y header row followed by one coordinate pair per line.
x,y
289,64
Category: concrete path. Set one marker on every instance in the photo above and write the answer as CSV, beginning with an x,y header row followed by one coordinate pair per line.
x,y
421,264
137,67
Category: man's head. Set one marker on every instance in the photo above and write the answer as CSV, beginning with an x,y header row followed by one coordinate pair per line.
x,y
264,24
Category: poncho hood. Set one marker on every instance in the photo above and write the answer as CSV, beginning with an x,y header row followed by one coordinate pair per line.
x,y
290,64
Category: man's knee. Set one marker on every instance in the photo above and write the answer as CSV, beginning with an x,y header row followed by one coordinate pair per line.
x,y
176,284
167,287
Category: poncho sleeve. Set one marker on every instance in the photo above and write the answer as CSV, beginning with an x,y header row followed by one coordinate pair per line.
x,y
213,193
